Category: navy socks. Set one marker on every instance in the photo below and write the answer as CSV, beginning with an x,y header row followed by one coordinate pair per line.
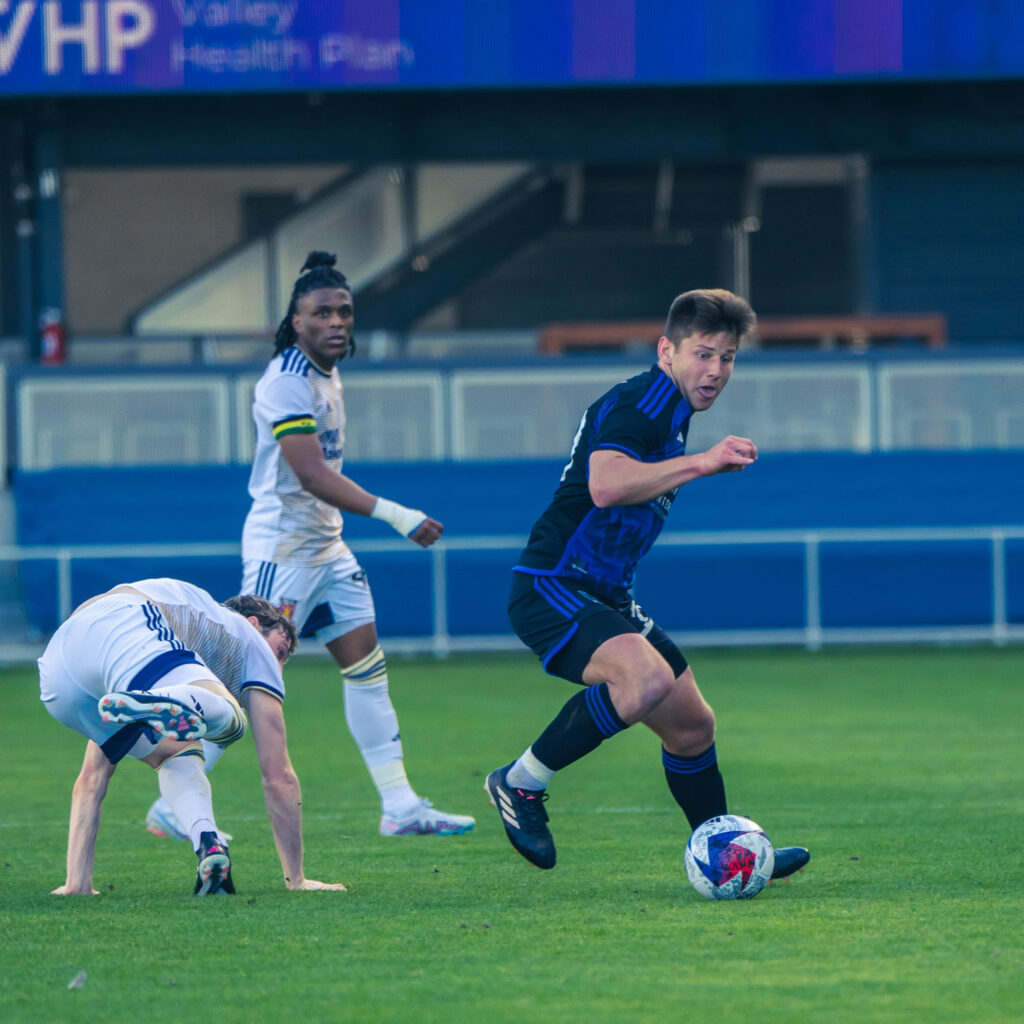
x,y
696,784
585,721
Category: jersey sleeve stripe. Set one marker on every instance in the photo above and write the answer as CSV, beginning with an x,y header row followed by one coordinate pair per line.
x,y
264,687
655,393
654,401
294,425
661,404
608,446
295,361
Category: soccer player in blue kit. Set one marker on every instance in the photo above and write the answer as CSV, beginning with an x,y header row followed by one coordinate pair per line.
x,y
571,599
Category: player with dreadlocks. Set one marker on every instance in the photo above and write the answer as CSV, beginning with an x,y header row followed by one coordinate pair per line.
x,y
292,549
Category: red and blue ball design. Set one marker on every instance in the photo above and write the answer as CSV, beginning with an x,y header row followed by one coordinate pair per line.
x,y
729,858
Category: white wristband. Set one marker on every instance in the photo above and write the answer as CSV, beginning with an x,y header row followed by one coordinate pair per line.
x,y
404,520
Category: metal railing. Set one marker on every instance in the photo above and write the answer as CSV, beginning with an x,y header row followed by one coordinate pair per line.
x,y
812,634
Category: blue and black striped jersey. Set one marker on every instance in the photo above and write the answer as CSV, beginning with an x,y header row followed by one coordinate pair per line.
x,y
647,418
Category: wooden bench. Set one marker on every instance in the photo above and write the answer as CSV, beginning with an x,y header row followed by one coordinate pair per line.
x,y
826,331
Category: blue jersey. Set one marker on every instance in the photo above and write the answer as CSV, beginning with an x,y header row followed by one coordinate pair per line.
x,y
647,418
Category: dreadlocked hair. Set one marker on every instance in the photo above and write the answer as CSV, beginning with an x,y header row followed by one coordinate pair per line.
x,y
317,272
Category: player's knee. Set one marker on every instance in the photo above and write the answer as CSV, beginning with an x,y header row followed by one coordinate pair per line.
x,y
697,733
651,689
690,732
701,729
232,728
226,722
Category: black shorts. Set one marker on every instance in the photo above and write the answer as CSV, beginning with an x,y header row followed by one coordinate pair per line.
x,y
564,624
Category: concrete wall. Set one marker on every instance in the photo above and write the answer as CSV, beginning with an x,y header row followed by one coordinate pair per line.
x,y
131,234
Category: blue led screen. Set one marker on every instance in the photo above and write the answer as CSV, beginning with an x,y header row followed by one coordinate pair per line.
x,y
71,47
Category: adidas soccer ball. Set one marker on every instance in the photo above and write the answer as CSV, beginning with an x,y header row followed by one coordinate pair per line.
x,y
729,858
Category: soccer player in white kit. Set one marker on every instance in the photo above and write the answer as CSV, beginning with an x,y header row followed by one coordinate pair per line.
x,y
145,670
292,549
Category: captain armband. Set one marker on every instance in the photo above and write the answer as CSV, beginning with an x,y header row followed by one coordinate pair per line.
x,y
294,425
404,520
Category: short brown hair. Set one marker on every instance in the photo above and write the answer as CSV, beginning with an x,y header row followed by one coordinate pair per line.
x,y
709,311
269,617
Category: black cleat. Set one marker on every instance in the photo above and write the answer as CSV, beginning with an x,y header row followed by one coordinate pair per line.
x,y
523,815
213,877
788,860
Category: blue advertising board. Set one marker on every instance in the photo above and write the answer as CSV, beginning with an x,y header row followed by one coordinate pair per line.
x,y
75,47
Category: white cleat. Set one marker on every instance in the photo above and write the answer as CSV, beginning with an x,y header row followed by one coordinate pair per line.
x,y
163,823
426,821
164,716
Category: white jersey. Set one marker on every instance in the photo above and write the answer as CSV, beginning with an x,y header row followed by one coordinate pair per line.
x,y
287,525
236,652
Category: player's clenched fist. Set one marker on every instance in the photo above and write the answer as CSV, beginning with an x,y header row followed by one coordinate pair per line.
x,y
427,532
730,455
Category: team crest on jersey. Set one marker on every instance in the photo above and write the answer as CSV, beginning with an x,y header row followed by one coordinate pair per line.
x,y
287,608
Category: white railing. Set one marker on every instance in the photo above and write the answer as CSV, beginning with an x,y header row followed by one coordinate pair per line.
x,y
404,415
812,634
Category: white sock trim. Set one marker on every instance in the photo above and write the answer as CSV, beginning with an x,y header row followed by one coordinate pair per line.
x,y
529,773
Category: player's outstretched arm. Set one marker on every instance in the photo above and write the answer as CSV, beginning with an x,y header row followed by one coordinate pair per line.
x,y
619,479
86,800
281,788
306,458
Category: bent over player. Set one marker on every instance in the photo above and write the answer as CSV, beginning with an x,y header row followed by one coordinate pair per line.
x,y
572,601
145,670
292,549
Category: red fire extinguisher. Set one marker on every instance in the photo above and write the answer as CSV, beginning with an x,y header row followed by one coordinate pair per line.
x,y
53,338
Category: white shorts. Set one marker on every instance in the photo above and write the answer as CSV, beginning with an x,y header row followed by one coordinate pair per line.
x,y
325,601
119,642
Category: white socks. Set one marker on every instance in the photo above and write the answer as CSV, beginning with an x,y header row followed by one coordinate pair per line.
x,y
183,784
211,755
529,773
373,723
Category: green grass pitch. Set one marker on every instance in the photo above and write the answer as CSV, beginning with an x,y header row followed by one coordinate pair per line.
x,y
900,768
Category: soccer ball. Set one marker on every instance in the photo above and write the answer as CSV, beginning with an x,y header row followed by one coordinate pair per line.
x,y
729,858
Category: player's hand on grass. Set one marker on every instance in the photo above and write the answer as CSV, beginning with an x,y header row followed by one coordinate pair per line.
x,y
309,884
70,890
730,455
427,532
